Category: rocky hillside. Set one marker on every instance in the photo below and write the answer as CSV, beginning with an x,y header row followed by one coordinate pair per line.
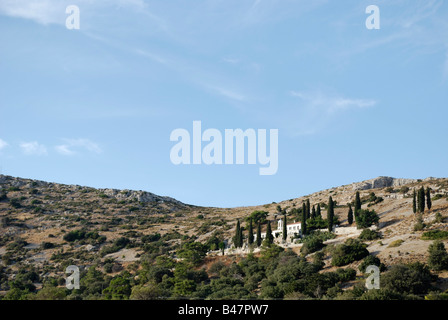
x,y
47,225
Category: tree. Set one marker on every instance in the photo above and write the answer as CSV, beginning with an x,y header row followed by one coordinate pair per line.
x,y
222,246
366,218
313,212
269,236
357,203
118,289
193,252
421,200
414,202
241,237
303,210
438,257
285,228
236,238
428,198
258,216
318,212
350,214
251,233
304,229
330,214
351,250
413,278
279,209
308,209
259,240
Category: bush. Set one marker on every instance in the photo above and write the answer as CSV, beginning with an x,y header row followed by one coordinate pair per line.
x,y
412,278
193,252
367,235
74,235
351,250
419,225
47,245
437,197
151,238
311,244
371,261
438,218
15,203
395,243
438,257
3,196
346,274
435,235
381,294
366,218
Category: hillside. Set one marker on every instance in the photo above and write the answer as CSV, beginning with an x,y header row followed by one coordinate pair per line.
x,y
121,229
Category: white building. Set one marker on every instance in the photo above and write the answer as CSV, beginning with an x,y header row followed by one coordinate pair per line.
x,y
291,229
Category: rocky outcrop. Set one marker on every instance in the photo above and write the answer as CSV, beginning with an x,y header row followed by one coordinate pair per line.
x,y
140,196
381,182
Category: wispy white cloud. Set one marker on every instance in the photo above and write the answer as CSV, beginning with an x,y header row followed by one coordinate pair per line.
x,y
33,148
53,11
41,11
3,144
151,56
418,12
228,93
71,145
314,111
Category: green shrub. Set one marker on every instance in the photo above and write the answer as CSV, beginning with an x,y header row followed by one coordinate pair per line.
x,y
15,203
351,250
438,218
367,235
435,235
47,245
366,218
419,225
311,244
74,235
346,274
395,243
412,278
371,260
438,257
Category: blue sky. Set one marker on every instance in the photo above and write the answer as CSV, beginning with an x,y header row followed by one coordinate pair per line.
x,y
96,106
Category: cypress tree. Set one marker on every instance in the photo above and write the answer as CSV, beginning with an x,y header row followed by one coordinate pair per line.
x,y
428,198
303,210
421,200
240,237
313,212
259,235
304,229
308,209
269,236
285,229
358,203
318,213
350,214
236,239
330,214
251,232
414,202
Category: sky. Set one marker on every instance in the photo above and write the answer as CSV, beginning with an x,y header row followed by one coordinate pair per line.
x,y
95,106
